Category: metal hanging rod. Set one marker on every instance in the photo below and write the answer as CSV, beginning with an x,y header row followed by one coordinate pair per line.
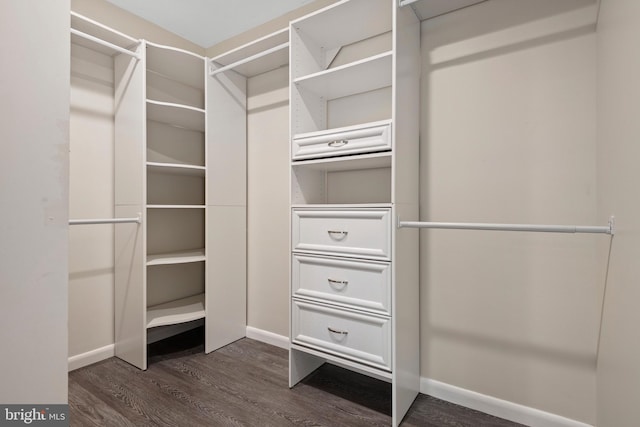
x,y
137,220
608,229
249,59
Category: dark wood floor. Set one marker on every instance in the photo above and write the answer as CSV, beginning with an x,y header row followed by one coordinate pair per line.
x,y
242,384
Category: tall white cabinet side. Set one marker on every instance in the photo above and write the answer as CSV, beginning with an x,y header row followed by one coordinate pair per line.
x,y
227,76
227,208
130,239
406,296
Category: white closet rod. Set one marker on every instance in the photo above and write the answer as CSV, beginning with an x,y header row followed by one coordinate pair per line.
x,y
105,43
105,221
249,59
608,229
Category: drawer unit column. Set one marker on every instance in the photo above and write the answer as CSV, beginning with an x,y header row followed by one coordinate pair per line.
x,y
354,152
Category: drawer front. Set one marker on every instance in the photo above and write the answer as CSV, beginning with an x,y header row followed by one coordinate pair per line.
x,y
363,285
361,233
367,139
355,336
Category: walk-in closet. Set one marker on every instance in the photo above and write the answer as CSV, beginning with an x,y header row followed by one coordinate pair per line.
x,y
327,212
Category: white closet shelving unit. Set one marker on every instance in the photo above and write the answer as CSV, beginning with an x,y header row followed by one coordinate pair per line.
x,y
181,255
355,69
161,172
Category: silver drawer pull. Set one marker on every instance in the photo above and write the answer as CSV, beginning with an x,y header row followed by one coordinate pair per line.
x,y
338,282
338,234
338,143
335,331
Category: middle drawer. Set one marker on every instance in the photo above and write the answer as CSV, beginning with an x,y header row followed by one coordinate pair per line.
x,y
359,233
362,285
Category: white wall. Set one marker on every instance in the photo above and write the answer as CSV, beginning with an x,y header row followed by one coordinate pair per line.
x,y
508,136
34,96
618,179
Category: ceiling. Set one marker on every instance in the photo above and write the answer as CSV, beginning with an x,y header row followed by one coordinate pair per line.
x,y
207,22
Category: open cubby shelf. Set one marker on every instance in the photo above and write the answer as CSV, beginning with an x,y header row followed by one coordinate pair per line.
x,y
177,311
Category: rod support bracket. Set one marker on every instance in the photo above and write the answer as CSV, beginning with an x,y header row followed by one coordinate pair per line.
x,y
612,225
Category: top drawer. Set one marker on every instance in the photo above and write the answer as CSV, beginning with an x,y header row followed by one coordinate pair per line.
x,y
368,138
359,233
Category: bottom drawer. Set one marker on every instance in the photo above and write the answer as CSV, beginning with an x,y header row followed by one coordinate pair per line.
x,y
355,336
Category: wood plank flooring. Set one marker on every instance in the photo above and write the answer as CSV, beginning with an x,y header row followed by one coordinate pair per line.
x,y
242,384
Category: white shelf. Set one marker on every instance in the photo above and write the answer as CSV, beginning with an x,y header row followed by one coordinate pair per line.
x,y
178,115
348,24
432,8
357,77
355,162
95,29
177,64
261,64
347,206
178,311
176,169
176,206
182,257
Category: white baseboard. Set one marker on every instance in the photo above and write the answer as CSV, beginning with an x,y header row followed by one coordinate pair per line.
x,y
268,337
99,354
494,406
93,356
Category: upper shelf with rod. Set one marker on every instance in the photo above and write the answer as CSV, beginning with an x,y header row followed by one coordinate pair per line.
x,y
94,35
259,56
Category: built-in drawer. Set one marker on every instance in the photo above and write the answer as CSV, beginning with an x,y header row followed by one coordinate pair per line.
x,y
352,335
369,138
363,285
361,233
